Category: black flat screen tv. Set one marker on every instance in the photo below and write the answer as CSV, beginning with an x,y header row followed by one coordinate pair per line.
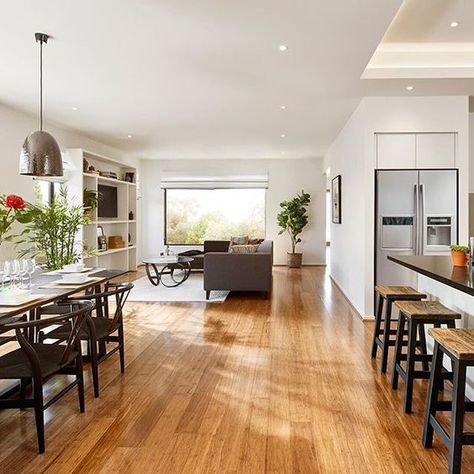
x,y
107,201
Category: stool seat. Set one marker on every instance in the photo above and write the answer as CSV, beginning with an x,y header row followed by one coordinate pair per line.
x,y
458,342
399,292
431,310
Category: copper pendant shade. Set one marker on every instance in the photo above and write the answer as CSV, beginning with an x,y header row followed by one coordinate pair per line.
x,y
40,154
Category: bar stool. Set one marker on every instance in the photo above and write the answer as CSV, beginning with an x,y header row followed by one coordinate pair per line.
x,y
458,345
389,294
418,314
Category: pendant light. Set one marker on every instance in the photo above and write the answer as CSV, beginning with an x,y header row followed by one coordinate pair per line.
x,y
40,155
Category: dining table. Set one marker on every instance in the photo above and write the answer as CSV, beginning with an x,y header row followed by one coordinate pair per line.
x,y
47,287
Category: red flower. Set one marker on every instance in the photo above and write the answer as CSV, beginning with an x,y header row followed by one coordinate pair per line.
x,y
14,201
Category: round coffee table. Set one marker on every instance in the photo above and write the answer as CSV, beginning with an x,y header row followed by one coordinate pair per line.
x,y
169,274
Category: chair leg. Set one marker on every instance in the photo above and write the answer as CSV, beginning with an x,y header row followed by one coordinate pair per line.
x,y
80,379
208,294
398,349
433,389
412,328
424,350
386,335
23,384
121,348
39,412
94,367
457,417
378,322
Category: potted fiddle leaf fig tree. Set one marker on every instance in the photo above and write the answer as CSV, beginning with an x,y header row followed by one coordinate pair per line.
x,y
292,219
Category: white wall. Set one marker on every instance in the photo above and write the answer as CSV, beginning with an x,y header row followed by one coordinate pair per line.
x,y
353,155
471,174
286,178
15,126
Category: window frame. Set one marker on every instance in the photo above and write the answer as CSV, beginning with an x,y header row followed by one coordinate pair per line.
x,y
165,213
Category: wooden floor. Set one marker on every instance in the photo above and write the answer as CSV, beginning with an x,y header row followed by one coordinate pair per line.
x,y
251,385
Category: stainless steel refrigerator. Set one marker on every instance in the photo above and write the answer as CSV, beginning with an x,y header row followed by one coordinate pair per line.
x,y
416,214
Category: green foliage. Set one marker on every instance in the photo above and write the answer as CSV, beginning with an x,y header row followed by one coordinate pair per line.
x,y
91,199
293,217
187,224
459,248
51,233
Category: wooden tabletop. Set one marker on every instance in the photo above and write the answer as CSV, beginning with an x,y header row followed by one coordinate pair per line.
x,y
49,295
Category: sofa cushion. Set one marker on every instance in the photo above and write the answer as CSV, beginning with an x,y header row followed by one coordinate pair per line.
x,y
243,248
216,246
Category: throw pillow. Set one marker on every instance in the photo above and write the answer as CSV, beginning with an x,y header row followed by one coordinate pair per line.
x,y
243,248
243,240
255,241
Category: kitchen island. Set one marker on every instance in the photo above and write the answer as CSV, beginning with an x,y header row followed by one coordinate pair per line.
x,y
452,286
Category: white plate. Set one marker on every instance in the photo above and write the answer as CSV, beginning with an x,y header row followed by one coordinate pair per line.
x,y
74,282
84,270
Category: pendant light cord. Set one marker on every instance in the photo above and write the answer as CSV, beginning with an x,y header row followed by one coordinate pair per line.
x,y
41,85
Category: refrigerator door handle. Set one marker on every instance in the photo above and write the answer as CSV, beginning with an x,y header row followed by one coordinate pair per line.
x,y
422,219
417,208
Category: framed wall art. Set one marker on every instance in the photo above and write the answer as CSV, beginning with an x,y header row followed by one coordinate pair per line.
x,y
336,192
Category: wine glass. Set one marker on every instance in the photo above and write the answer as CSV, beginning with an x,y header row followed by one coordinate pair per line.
x,y
7,272
30,269
15,273
3,266
23,271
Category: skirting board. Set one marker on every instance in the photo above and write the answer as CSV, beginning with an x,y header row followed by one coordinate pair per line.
x,y
364,318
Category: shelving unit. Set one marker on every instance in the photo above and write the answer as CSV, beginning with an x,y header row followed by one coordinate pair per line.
x,y
122,258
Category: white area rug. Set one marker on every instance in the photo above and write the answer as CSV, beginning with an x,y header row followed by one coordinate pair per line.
x,y
190,291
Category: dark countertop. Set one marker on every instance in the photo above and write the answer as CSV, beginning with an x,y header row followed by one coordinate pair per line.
x,y
440,268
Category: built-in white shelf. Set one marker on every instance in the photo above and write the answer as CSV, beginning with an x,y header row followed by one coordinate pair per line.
x,y
127,193
108,252
113,222
108,180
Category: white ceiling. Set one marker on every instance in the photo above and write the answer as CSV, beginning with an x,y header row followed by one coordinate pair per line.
x,y
194,79
421,43
206,79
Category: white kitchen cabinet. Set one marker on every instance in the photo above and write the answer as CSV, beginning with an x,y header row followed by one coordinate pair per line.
x,y
396,150
435,150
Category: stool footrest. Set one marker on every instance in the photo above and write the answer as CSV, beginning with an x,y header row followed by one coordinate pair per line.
x,y
446,405
468,438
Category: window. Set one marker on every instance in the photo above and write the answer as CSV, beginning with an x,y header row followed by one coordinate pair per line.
x,y
45,190
195,215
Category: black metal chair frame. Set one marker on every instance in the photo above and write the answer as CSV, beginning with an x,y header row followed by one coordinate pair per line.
x,y
77,314
97,346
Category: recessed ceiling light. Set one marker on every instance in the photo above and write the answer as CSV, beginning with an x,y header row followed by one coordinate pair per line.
x,y
282,135
454,24
282,107
129,136
409,88
283,47
74,108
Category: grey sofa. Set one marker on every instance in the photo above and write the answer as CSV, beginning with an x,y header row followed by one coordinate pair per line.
x,y
239,272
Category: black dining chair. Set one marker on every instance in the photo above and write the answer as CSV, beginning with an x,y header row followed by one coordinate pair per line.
x,y
101,329
36,362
